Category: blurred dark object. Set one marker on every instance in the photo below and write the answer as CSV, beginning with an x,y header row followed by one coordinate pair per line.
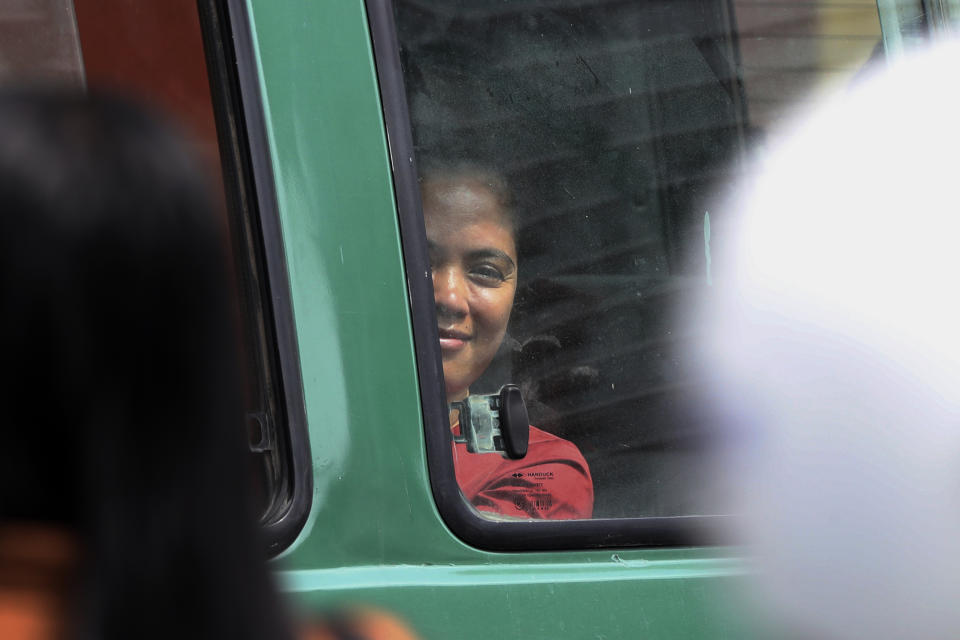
x,y
122,427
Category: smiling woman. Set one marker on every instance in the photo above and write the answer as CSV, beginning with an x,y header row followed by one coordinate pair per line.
x,y
473,256
470,230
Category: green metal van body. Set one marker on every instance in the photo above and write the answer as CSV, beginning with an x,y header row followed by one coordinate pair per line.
x,y
374,535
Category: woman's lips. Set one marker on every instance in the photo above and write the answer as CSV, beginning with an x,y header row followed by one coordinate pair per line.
x,y
451,340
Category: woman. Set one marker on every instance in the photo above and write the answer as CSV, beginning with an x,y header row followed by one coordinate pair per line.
x,y
473,254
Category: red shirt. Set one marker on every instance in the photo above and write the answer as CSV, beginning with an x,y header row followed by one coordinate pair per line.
x,y
552,482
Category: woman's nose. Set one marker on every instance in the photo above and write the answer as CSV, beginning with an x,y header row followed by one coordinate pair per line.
x,y
450,293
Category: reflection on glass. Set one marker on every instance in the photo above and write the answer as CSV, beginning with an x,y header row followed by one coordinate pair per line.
x,y
617,125
471,237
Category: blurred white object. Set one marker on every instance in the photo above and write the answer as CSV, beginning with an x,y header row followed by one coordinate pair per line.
x,y
834,345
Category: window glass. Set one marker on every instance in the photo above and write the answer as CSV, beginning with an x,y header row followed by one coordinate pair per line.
x,y
908,23
570,155
154,52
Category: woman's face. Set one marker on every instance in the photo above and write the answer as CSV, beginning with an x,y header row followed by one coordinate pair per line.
x,y
473,256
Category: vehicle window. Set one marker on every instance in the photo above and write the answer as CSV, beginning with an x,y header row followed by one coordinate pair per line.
x,y
571,155
125,46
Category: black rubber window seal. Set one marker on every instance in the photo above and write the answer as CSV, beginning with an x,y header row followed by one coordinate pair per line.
x,y
459,516
251,192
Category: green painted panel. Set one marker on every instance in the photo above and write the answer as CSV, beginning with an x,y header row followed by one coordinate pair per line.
x,y
372,501
374,534
608,598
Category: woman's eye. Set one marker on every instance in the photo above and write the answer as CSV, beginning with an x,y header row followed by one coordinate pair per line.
x,y
487,273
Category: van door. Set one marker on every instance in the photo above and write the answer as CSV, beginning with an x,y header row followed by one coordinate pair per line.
x,y
613,130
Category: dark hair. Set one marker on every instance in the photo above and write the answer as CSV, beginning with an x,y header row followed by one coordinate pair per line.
x,y
123,416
